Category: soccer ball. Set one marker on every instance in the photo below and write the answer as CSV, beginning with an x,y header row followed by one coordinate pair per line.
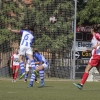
x,y
52,19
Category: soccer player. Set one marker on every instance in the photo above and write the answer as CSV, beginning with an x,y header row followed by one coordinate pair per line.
x,y
28,68
25,45
95,58
42,65
14,64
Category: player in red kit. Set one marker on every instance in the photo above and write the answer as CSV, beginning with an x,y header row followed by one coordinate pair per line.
x,y
15,64
95,58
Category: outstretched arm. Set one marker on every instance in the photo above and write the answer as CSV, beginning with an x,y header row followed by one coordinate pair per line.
x,y
14,31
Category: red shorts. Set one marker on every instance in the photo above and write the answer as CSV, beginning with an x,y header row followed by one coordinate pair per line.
x,y
94,60
15,67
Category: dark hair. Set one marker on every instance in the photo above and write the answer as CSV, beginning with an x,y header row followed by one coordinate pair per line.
x,y
95,27
30,27
36,51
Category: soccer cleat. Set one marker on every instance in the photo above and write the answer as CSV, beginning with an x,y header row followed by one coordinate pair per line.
x,y
13,80
25,80
36,73
36,81
78,86
22,75
30,85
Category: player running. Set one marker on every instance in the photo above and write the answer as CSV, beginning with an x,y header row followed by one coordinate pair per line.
x,y
42,65
25,45
14,65
95,58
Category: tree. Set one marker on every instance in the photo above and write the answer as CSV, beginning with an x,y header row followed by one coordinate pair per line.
x,y
51,33
10,14
55,36
91,13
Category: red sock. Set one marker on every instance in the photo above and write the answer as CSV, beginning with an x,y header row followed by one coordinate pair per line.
x,y
84,78
15,76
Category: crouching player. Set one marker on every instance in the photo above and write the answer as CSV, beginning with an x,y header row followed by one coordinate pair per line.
x,y
42,65
15,65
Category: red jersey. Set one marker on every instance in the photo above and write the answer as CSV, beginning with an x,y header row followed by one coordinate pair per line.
x,y
96,40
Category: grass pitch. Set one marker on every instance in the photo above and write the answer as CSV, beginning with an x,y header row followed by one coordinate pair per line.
x,y
53,90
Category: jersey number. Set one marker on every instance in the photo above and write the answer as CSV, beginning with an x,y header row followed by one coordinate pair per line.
x,y
25,38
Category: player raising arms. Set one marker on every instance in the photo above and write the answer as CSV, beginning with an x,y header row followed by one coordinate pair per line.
x,y
42,65
14,64
95,58
25,45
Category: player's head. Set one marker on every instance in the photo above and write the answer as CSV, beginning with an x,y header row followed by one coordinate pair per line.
x,y
94,29
30,27
16,50
35,51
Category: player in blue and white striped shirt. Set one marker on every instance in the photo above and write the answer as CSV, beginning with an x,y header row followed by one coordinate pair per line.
x,y
42,65
25,45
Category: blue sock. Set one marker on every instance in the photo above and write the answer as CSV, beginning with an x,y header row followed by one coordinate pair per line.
x,y
26,76
22,67
42,80
32,64
32,79
41,74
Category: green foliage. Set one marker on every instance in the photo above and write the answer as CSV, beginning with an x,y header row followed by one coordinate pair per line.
x,y
10,15
91,13
53,36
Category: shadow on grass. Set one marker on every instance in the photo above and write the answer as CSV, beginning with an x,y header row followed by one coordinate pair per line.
x,y
44,86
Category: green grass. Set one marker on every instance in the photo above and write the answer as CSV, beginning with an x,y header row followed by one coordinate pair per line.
x,y
53,90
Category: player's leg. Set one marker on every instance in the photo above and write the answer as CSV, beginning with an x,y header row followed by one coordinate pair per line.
x,y
22,58
41,74
93,62
37,69
98,68
22,65
27,71
16,73
26,76
84,77
13,72
32,80
29,52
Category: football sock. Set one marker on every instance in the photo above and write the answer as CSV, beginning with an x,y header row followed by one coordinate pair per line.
x,y
26,76
22,67
32,64
32,79
15,75
84,78
41,74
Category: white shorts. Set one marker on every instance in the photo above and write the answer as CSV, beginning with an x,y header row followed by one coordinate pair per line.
x,y
25,50
44,65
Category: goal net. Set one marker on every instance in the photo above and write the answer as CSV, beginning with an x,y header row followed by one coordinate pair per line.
x,y
53,32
